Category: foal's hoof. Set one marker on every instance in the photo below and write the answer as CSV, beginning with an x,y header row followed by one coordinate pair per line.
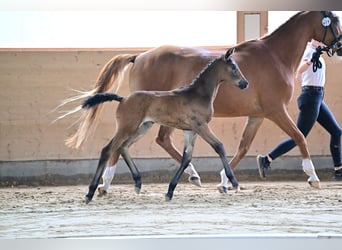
x,y
86,199
222,189
101,192
168,197
137,190
196,180
315,184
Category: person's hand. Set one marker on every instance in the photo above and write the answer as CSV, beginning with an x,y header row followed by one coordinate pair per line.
x,y
298,78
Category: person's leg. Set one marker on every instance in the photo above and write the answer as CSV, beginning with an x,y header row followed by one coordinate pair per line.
x,y
327,120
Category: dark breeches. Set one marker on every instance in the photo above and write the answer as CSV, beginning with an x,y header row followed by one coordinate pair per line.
x,y
313,108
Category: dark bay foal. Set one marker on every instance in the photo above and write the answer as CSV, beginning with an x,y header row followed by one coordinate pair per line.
x,y
188,108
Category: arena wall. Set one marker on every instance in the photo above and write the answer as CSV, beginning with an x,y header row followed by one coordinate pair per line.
x,y
34,82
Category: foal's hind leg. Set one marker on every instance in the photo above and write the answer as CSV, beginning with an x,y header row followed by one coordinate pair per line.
x,y
189,142
128,159
105,154
165,141
248,135
110,170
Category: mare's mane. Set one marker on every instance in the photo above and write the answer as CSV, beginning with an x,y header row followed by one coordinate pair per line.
x,y
334,19
282,26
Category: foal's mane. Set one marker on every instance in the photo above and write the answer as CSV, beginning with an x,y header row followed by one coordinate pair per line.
x,y
203,72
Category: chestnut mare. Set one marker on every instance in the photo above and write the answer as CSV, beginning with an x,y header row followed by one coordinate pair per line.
x,y
269,63
189,108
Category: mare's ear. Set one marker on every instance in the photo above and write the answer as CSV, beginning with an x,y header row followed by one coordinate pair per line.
x,y
229,52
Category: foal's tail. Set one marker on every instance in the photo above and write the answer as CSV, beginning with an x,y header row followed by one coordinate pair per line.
x,y
96,99
108,77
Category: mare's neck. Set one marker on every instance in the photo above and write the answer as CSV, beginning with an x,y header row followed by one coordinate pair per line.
x,y
288,42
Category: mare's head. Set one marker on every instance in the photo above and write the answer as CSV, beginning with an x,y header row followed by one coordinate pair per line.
x,y
327,29
232,71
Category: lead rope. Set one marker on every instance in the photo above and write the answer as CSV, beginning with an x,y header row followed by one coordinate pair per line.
x,y
316,63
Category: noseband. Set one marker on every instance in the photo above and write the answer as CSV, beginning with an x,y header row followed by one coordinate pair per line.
x,y
335,44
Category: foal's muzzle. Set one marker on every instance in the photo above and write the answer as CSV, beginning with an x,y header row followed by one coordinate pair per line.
x,y
243,84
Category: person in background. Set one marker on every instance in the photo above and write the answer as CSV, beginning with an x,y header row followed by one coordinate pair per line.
x,y
312,108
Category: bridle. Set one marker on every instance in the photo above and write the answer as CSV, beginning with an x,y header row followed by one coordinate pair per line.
x,y
331,48
335,44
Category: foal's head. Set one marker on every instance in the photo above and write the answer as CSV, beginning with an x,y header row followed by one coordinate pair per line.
x,y
231,71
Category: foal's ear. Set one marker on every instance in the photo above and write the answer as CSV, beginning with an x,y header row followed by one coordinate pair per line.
x,y
229,52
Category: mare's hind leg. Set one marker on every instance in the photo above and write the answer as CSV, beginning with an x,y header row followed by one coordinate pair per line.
x,y
248,135
165,141
108,174
128,159
189,142
284,121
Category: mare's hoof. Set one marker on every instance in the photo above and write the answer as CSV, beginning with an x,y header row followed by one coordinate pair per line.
x,y
315,184
196,180
101,192
222,189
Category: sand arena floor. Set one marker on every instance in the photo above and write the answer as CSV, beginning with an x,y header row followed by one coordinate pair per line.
x,y
259,208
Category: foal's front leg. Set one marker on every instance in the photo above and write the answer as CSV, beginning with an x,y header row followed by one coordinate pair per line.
x,y
205,132
249,132
189,142
164,140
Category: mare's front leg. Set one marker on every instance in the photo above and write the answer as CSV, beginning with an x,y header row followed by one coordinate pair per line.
x,y
248,135
165,141
189,142
205,132
105,154
284,121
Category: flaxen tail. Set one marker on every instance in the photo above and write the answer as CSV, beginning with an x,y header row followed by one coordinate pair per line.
x,y
96,99
107,79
